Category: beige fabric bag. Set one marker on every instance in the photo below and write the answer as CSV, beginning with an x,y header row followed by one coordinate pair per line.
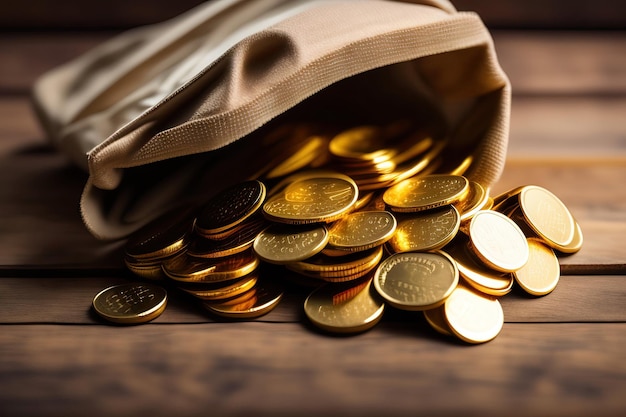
x,y
168,114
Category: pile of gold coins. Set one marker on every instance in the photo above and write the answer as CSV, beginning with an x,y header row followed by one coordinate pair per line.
x,y
377,225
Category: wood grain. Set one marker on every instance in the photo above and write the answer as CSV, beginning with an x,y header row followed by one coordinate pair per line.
x,y
58,299
267,369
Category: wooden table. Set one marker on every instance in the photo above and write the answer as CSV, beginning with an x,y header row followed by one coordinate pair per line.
x,y
562,354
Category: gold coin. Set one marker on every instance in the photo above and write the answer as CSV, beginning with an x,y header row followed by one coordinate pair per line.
x,y
230,207
130,303
222,290
312,149
427,192
187,269
475,274
361,143
541,273
498,241
547,216
416,281
265,299
163,237
313,200
474,201
281,244
473,317
149,270
435,317
356,314
427,230
362,230
577,242
353,263
204,248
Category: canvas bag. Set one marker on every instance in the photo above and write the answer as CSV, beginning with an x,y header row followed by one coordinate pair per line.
x,y
167,114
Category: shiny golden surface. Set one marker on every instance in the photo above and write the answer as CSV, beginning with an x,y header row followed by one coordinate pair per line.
x,y
362,230
265,298
498,241
130,303
427,230
547,216
577,241
201,247
222,290
281,244
475,200
475,273
425,192
416,281
352,315
364,143
473,317
187,269
310,200
541,273
435,317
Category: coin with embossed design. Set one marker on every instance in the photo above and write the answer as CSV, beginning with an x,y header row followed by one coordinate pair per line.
x,y
323,198
547,216
416,280
362,230
130,303
281,244
425,192
427,230
354,314
230,207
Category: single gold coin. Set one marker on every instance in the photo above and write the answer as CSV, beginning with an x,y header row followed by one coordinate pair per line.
x,y
163,237
426,230
184,268
476,274
361,143
223,290
541,273
547,216
474,201
266,297
362,230
435,317
230,207
130,303
425,192
416,281
498,241
577,242
353,315
281,244
473,317
325,198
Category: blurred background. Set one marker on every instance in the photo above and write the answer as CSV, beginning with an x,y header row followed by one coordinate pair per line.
x,y
121,14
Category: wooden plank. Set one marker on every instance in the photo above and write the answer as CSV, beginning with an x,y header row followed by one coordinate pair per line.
x,y
279,369
57,299
536,62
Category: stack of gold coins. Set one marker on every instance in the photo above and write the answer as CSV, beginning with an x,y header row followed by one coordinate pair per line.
x,y
158,242
371,226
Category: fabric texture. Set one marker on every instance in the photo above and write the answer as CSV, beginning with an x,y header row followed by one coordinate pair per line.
x,y
166,114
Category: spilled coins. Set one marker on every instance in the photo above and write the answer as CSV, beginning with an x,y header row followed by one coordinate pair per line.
x,y
369,219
